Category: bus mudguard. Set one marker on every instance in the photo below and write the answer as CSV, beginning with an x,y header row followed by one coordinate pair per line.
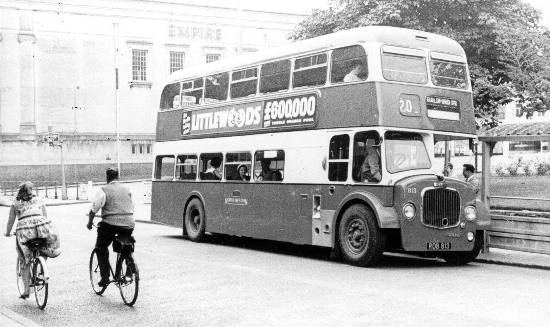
x,y
386,216
191,195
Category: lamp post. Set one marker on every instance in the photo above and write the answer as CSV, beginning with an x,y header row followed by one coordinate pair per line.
x,y
54,141
117,98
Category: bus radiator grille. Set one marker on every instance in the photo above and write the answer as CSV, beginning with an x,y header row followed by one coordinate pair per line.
x,y
441,208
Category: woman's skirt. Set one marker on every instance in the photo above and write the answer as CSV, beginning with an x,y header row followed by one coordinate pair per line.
x,y
36,227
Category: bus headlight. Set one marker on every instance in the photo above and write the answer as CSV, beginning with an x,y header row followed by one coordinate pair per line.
x,y
470,213
409,211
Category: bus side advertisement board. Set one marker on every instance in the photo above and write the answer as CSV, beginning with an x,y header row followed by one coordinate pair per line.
x,y
288,112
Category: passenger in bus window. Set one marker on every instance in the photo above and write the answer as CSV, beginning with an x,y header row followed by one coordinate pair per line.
x,y
243,173
213,172
357,74
370,169
267,174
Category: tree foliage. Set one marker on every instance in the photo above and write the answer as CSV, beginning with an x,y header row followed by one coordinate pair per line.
x,y
507,49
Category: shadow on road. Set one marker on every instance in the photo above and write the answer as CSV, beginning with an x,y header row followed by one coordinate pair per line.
x,y
389,260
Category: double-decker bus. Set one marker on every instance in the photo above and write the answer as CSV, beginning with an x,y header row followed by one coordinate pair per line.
x,y
328,142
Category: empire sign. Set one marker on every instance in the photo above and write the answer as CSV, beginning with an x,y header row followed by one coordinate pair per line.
x,y
195,32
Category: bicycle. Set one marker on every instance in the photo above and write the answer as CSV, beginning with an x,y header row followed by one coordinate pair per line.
x,y
125,276
39,276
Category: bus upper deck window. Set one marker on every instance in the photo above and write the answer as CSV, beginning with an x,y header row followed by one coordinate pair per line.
x,y
216,87
310,71
275,76
404,65
170,98
349,64
192,92
448,71
244,83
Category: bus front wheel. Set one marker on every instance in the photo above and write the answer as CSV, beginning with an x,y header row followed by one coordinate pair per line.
x,y
360,239
195,222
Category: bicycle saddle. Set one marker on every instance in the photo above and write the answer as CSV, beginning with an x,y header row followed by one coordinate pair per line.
x,y
36,243
125,240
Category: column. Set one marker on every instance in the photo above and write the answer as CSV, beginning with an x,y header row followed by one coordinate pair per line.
x,y
27,96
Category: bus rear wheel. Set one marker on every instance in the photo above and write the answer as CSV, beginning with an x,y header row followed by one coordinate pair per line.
x,y
194,220
360,239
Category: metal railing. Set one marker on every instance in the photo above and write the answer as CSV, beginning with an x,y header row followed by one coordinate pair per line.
x,y
45,189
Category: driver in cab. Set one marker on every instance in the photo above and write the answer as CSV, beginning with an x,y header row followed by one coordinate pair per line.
x,y
370,169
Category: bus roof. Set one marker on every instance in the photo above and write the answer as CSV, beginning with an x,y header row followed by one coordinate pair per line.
x,y
383,34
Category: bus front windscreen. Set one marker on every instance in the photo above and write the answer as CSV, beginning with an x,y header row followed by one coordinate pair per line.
x,y
404,65
448,74
405,151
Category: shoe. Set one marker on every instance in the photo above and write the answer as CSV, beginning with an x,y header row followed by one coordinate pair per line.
x,y
24,296
103,283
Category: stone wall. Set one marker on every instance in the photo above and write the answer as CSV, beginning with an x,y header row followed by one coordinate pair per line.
x,y
49,175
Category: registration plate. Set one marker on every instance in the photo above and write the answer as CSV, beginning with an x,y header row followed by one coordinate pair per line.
x,y
435,246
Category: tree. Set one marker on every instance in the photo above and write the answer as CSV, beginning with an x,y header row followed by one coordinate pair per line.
x,y
495,34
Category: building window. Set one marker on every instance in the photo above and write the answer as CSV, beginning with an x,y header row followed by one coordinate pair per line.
x,y
211,57
139,65
519,111
177,60
501,115
140,149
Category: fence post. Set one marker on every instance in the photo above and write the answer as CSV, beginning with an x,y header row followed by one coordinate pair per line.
x,y
55,185
77,185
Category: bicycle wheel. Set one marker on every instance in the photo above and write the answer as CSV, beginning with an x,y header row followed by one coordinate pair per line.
x,y
39,280
20,284
95,275
128,281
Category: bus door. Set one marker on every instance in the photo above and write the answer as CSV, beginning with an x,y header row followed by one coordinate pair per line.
x,y
238,194
211,188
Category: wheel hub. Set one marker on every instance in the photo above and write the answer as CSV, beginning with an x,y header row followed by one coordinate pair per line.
x,y
357,235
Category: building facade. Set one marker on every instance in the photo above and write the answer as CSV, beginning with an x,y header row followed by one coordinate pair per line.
x,y
87,69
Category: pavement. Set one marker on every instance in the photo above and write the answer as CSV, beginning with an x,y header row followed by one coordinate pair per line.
x,y
9,318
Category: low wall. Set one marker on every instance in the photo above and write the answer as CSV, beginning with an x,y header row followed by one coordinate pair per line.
x,y
41,175
520,231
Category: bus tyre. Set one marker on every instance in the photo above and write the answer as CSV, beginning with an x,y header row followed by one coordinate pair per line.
x,y
361,241
195,220
463,258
